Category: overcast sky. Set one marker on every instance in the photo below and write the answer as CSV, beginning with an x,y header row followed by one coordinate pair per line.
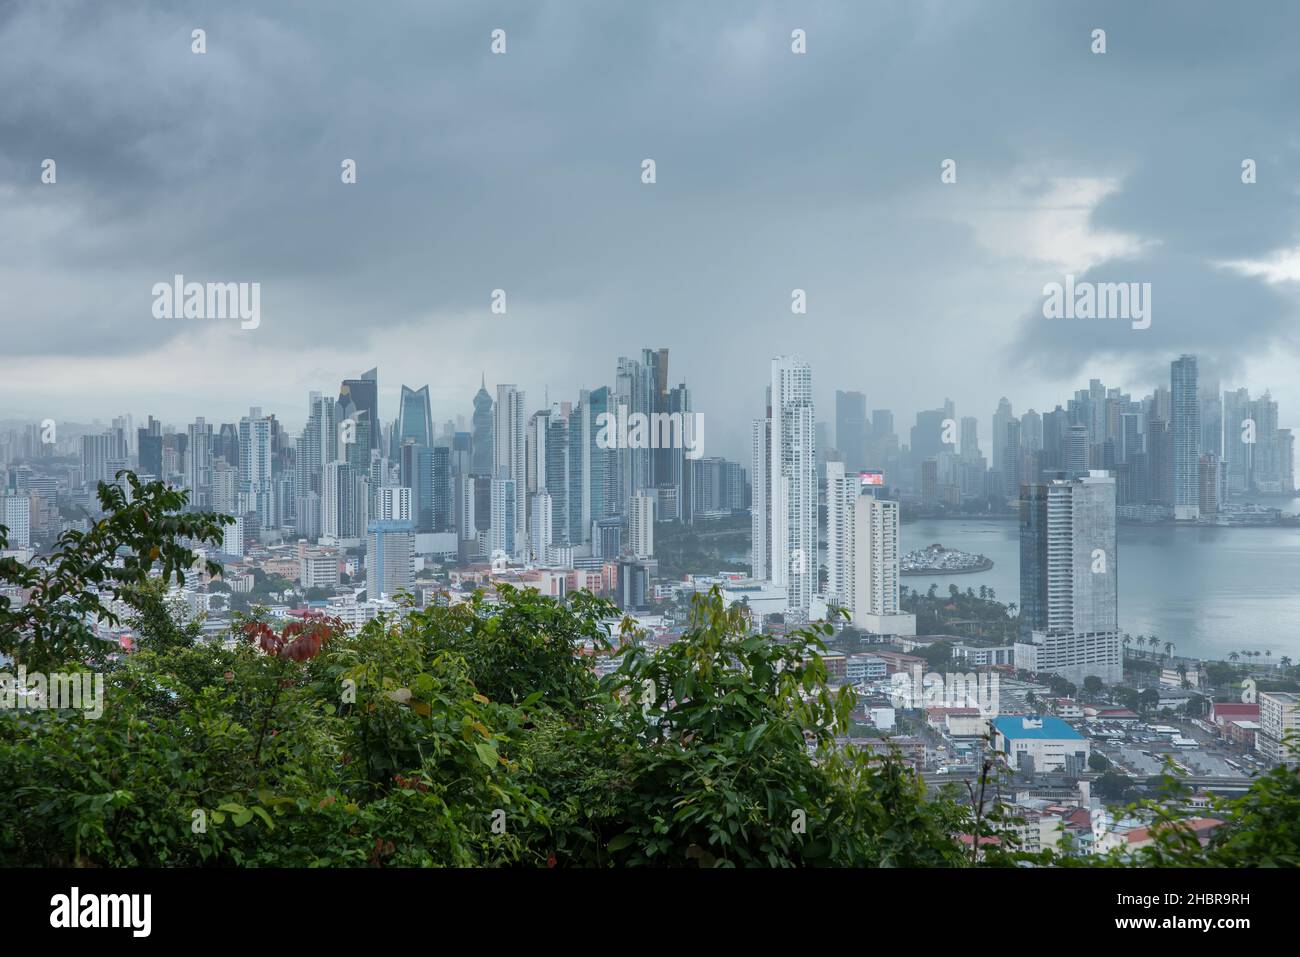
x,y
522,171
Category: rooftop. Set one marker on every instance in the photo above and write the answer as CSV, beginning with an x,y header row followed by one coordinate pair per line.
x,y
1043,727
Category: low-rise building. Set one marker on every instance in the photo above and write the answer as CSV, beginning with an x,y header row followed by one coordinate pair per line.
x,y
1040,742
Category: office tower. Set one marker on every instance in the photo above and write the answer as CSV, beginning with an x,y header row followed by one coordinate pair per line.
x,y
634,391
502,538
225,488
549,469
360,397
540,525
1286,461
641,525
197,471
509,460
1031,432
150,445
875,568
393,504
16,516
95,455
1208,484
390,558
678,471
1001,417
1211,403
851,429
414,417
970,440
255,464
1185,424
1068,579
226,443
842,489
1160,472
1237,428
1075,451
592,469
1130,436
928,434
760,511
481,432
1266,459
318,444
336,501
792,482
1010,464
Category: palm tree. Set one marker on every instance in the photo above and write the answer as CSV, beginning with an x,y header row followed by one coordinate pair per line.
x,y
1154,642
1234,657
1169,649
1284,661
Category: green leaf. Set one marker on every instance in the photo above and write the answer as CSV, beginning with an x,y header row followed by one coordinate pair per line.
x,y
487,753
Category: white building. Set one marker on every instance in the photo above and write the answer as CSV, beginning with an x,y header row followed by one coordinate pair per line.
x,y
641,524
232,537
785,497
543,533
1279,714
1049,743
841,495
876,568
393,504
16,515
390,559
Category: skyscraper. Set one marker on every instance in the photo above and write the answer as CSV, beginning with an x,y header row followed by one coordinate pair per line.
x,y
851,429
1186,425
481,432
1068,579
842,489
390,558
414,418
509,461
360,397
875,568
792,484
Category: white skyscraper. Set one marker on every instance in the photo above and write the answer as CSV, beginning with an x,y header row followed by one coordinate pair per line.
x,y
641,524
841,493
876,568
792,482
760,516
510,461
15,514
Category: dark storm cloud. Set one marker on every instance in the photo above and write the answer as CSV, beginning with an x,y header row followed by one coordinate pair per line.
x,y
522,172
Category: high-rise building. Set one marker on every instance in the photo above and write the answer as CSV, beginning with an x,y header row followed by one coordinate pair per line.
x,y
390,558
641,525
791,488
360,400
481,445
1185,424
851,429
842,490
15,515
1068,579
510,461
875,571
414,418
